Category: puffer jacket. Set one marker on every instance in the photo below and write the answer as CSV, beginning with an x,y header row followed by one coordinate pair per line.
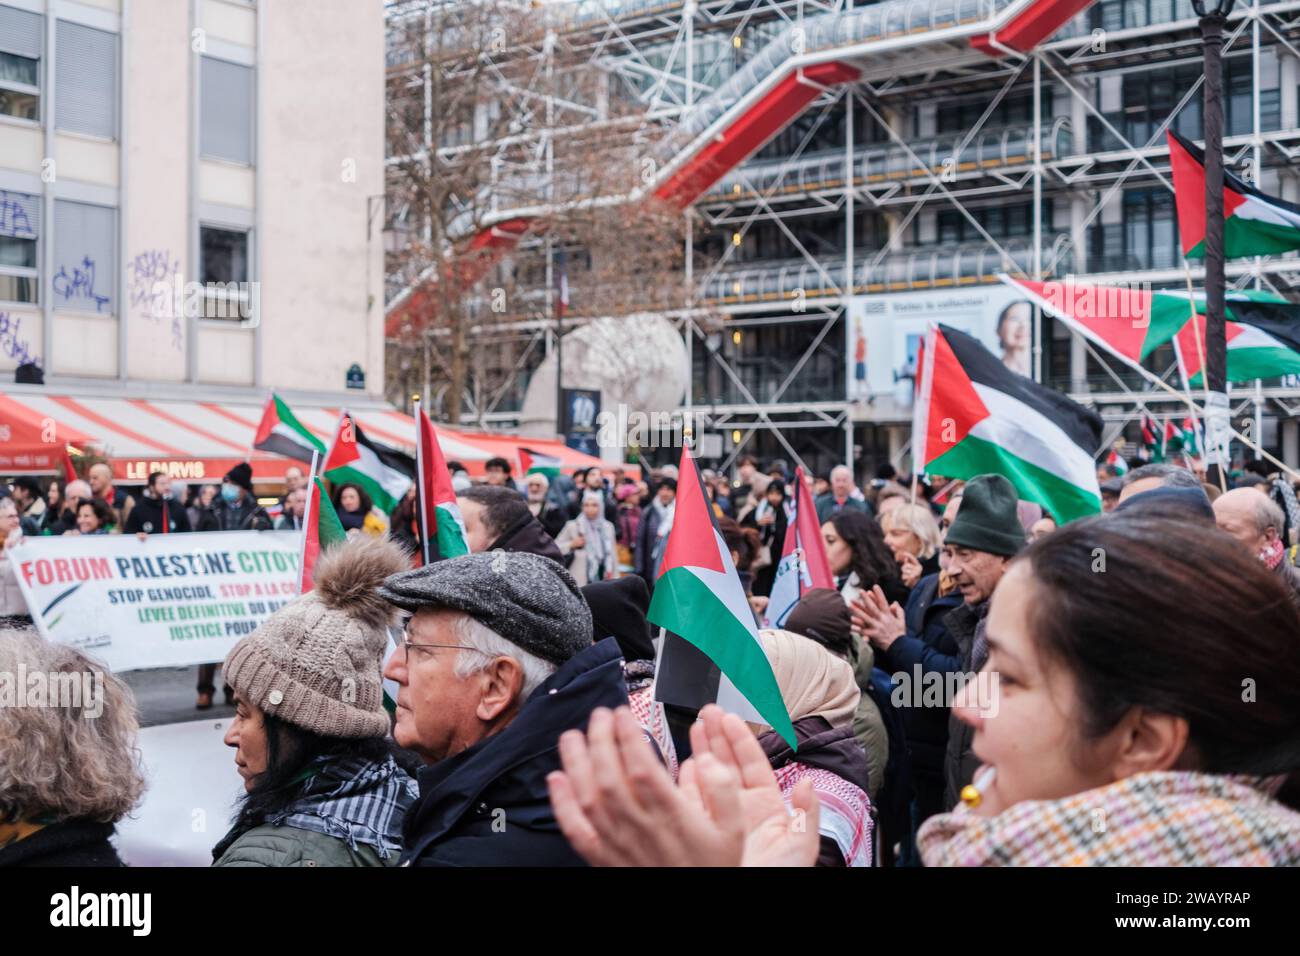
x,y
349,813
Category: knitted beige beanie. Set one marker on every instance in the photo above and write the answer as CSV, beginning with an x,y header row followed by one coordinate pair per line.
x,y
316,662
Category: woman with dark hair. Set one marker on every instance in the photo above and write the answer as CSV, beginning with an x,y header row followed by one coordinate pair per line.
x,y
356,510
404,526
52,519
95,517
1122,734
859,557
322,785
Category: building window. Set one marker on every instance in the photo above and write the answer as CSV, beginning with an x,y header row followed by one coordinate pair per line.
x,y
223,270
20,64
226,111
20,219
85,265
85,63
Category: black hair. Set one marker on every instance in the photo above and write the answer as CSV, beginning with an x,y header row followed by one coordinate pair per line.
x,y
290,750
872,560
366,501
501,463
153,477
28,484
666,483
502,507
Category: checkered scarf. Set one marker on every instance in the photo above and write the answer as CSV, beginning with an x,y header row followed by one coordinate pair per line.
x,y
357,801
1151,819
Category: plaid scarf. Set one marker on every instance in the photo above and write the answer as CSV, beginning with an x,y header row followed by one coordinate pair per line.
x,y
1151,819
357,801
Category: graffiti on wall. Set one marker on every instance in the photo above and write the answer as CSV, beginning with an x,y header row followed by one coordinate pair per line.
x,y
13,345
150,275
78,285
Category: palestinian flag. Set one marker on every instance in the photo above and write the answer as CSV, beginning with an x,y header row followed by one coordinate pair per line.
x,y
436,498
385,473
1128,323
1263,337
698,596
535,461
1254,224
1191,437
321,530
69,473
280,433
803,563
975,416
1116,461
1152,438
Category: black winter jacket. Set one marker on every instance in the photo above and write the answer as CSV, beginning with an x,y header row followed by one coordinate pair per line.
x,y
70,843
489,805
146,516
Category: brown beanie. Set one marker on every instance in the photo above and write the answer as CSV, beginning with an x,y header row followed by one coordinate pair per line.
x,y
316,662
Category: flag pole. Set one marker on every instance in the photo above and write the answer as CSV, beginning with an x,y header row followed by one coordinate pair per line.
x,y
312,492
1200,358
1160,383
421,518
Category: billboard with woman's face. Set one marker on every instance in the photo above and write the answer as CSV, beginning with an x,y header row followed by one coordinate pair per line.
x,y
885,333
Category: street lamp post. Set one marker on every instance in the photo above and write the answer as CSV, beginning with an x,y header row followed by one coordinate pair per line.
x,y
1214,20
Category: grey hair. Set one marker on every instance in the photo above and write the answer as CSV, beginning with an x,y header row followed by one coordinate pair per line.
x,y
1267,515
485,644
1171,476
62,760
595,496
845,469
78,489
538,476
919,521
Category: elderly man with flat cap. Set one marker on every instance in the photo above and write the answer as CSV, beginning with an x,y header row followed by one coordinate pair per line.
x,y
497,663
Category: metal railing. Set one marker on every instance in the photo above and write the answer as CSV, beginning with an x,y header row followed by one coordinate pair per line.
x,y
1003,148
933,267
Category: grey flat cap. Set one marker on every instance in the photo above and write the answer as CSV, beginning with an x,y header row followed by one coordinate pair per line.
x,y
529,600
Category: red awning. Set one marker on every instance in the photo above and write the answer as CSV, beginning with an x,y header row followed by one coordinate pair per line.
x,y
201,441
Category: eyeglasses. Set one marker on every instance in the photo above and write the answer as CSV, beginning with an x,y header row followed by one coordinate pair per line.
x,y
407,644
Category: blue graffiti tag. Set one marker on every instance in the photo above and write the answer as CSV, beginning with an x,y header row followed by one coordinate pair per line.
x,y
12,344
79,285
13,218
150,275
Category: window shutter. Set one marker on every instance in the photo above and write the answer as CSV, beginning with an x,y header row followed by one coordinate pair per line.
x,y
85,265
226,111
20,32
20,215
85,98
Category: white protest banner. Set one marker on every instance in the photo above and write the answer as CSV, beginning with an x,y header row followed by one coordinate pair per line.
x,y
167,601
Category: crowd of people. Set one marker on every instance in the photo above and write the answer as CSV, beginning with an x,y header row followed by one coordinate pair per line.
x,y
978,687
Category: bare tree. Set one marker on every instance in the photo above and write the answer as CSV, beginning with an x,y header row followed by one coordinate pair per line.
x,y
489,111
